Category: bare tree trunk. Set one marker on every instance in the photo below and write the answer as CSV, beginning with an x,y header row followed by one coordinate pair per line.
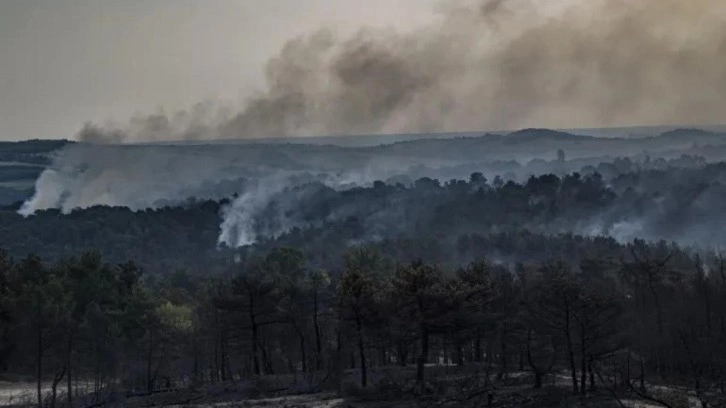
x,y
268,362
361,352
54,388
707,301
489,359
656,300
149,359
97,382
215,353
535,369
40,364
68,364
338,363
627,369
423,356
459,353
223,355
477,347
402,350
253,323
303,356
290,364
53,395
583,361
521,358
195,350
318,345
503,357
570,352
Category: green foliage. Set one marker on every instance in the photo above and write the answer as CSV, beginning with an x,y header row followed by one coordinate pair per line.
x,y
175,317
275,313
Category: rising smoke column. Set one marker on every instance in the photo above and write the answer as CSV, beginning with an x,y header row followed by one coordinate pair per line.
x,y
137,176
152,176
500,64
482,65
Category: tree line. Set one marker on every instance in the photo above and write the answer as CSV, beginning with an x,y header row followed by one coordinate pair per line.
x,y
680,204
624,319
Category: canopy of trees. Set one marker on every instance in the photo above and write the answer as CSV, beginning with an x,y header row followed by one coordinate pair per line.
x,y
621,317
606,279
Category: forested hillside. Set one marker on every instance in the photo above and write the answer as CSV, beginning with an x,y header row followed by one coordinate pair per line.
x,y
496,282
571,276
363,204
681,203
591,313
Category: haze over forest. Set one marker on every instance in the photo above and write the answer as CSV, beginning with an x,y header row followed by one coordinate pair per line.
x,y
500,203
330,237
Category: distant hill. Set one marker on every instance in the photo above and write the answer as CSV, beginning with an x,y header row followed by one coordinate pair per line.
x,y
686,133
549,134
342,159
34,145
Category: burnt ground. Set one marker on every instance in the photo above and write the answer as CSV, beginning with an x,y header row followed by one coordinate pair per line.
x,y
447,386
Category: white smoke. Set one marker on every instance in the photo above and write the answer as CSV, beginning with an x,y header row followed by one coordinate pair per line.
x,y
137,177
265,178
151,176
273,205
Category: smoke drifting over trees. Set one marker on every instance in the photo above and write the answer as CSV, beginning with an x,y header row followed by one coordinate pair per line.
x,y
495,64
667,186
447,270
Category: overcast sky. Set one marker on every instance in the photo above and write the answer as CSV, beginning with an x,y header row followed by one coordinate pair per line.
x,y
65,62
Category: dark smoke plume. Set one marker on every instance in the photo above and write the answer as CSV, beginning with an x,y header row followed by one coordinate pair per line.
x,y
500,64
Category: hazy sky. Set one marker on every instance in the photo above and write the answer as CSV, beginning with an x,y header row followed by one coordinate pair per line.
x,y
65,62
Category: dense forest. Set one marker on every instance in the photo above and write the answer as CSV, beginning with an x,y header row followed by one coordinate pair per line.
x,y
681,203
622,319
590,281
485,279
363,204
